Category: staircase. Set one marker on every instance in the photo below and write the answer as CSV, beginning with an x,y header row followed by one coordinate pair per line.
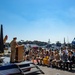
x,y
30,68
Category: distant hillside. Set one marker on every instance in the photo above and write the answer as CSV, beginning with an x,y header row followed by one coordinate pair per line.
x,y
39,43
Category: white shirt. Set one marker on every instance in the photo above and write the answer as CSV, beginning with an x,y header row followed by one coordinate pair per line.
x,y
66,52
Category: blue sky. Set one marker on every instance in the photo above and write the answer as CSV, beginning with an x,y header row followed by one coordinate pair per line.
x,y
38,19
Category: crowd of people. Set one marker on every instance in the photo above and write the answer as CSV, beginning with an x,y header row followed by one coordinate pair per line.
x,y
42,56
50,57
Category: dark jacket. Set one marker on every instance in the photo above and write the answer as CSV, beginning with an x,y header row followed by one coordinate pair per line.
x,y
64,57
71,58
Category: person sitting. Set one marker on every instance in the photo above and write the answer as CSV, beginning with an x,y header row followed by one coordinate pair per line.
x,y
74,52
40,57
46,58
63,59
65,50
64,56
56,59
51,58
71,60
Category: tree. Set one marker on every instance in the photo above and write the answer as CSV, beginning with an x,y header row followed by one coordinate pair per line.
x,y
58,44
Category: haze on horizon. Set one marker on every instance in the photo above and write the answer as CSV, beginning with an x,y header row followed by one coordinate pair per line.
x,y
38,19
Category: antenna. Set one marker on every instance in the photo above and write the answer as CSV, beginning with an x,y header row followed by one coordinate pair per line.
x,y
49,41
67,39
64,41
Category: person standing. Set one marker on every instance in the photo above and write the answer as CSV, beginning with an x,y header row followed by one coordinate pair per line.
x,y
5,39
13,45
